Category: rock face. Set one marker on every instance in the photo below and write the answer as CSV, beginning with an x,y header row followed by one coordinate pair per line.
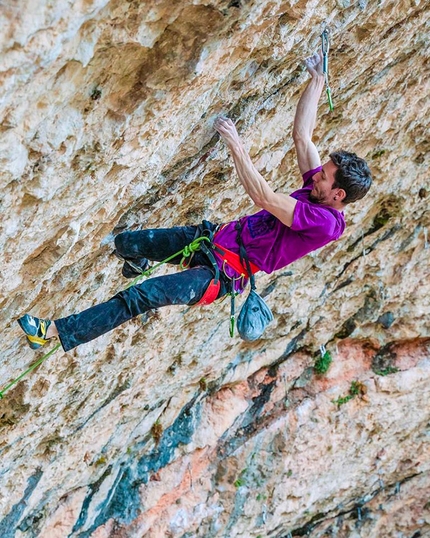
x,y
166,427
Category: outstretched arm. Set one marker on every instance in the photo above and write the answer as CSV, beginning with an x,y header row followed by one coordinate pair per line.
x,y
279,205
306,115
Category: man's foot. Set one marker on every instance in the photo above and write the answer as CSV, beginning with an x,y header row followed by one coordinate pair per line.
x,y
35,330
132,269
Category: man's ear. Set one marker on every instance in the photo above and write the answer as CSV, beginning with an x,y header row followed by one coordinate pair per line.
x,y
340,195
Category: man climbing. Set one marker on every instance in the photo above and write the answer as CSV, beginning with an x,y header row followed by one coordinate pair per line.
x,y
287,228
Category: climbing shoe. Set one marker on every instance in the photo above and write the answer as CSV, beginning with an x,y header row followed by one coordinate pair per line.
x,y
132,269
35,330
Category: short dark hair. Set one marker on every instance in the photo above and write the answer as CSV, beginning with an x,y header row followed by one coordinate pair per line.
x,y
352,175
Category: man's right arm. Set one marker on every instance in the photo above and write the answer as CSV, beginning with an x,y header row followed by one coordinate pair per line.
x,y
306,115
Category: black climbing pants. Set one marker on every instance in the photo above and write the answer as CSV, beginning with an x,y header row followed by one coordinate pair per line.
x,y
183,288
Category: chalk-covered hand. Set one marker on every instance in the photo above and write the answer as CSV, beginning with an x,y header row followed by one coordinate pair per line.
x,y
314,64
227,130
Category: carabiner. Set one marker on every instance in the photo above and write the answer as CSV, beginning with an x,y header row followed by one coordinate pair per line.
x,y
325,46
325,42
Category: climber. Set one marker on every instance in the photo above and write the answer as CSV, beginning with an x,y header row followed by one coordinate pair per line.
x,y
287,228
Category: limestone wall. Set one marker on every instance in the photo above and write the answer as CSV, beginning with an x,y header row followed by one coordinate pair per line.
x,y
167,427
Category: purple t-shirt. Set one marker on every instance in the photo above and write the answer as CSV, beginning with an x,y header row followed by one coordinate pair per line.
x,y
271,245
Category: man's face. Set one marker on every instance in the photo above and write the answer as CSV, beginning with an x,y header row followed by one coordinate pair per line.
x,y
323,192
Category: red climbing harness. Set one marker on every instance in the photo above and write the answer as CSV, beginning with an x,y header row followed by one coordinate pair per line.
x,y
233,260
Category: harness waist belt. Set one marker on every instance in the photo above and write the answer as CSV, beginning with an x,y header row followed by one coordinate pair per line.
x,y
233,260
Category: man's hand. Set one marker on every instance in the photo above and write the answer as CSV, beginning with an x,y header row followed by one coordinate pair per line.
x,y
314,64
228,132
280,205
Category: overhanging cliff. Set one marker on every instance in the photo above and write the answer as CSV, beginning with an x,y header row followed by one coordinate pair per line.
x,y
166,426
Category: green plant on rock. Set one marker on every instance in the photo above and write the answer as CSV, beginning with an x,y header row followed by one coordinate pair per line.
x,y
322,363
241,480
356,388
100,461
342,400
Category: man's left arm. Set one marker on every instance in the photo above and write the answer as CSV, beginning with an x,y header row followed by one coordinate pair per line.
x,y
278,204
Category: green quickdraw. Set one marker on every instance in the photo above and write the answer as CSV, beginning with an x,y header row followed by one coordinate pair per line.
x,y
233,295
325,45
187,254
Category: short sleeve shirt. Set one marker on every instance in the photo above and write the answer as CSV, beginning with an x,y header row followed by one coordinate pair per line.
x,y
271,245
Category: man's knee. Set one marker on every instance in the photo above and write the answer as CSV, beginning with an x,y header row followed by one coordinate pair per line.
x,y
137,299
124,244
119,242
